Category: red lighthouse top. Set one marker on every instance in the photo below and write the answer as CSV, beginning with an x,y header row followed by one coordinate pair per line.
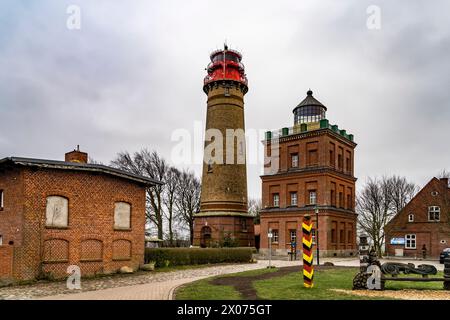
x,y
226,65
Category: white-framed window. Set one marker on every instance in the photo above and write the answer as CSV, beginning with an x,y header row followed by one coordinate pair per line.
x,y
434,213
122,215
312,197
294,161
411,217
293,235
293,198
313,236
57,212
1,199
434,193
410,241
276,200
1,240
275,235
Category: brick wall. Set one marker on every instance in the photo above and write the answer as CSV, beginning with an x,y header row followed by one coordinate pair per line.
x,y
90,240
6,262
225,188
11,215
344,243
222,225
323,141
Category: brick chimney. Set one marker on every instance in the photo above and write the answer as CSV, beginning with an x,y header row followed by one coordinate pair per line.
x,y
445,181
76,156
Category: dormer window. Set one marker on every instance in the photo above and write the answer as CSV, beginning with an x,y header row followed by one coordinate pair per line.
x,y
411,217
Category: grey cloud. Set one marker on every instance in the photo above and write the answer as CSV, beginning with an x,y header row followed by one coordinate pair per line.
x,y
134,72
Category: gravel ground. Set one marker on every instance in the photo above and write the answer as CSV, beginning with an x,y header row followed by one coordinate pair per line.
x,y
405,294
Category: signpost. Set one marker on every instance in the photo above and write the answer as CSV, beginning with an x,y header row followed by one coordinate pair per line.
x,y
399,241
308,269
270,236
317,233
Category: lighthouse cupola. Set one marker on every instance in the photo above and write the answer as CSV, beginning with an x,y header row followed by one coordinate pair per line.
x,y
225,67
309,110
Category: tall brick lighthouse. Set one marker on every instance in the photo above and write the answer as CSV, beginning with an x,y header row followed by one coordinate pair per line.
x,y
223,219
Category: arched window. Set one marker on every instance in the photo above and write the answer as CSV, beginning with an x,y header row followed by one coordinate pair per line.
x,y
411,217
122,215
57,212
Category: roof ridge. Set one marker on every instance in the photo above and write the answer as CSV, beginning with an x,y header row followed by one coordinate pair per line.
x,y
58,164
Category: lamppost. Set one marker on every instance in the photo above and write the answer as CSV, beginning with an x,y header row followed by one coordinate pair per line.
x,y
269,236
316,209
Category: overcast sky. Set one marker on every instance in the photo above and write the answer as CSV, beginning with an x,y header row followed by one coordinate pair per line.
x,y
133,74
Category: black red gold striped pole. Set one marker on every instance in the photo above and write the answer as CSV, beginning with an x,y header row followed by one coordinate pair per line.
x,y
308,269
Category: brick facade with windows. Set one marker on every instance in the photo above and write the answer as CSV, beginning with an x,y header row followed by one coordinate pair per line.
x,y
423,221
59,213
315,162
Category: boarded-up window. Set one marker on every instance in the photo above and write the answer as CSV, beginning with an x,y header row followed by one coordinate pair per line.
x,y
313,157
57,211
122,215
122,249
56,250
91,250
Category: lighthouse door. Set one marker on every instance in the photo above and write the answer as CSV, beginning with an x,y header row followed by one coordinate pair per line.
x,y
205,240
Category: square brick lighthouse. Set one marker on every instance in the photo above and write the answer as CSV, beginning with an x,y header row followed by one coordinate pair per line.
x,y
309,170
223,219
54,214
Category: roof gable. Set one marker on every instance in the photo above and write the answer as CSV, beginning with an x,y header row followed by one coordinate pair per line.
x,y
422,198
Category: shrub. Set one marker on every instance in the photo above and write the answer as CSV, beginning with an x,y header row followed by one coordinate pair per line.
x,y
191,256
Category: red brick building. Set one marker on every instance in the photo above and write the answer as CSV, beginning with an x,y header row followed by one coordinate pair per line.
x,y
54,214
425,220
309,167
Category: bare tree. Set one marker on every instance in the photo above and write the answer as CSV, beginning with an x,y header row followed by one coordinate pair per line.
x,y
187,199
254,209
444,174
402,192
93,161
151,165
378,202
172,180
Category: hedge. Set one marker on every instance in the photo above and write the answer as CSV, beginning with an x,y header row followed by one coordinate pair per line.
x,y
191,256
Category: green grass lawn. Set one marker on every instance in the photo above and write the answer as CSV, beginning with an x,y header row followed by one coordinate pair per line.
x,y
290,286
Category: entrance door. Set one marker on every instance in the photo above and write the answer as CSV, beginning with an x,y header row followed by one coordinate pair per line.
x,y
205,239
